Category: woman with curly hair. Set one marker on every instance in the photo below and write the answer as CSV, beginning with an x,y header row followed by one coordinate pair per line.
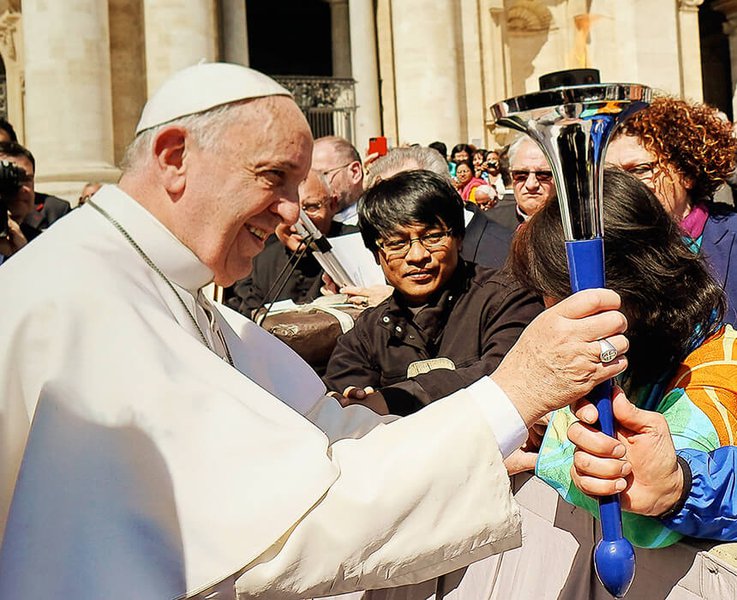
x,y
684,152
682,359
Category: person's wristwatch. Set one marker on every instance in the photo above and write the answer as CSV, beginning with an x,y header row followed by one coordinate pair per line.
x,y
685,492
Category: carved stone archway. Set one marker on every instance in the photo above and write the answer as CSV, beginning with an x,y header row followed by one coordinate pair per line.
x,y
528,16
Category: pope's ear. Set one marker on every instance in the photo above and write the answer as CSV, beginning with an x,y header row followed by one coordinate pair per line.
x,y
169,150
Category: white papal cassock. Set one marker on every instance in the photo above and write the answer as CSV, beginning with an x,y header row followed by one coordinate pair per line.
x,y
142,465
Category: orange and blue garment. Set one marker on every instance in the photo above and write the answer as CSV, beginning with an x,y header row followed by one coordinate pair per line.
x,y
700,406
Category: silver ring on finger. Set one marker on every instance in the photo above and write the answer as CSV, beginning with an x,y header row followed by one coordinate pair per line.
x,y
608,352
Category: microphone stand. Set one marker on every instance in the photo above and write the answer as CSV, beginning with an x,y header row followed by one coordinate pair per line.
x,y
323,251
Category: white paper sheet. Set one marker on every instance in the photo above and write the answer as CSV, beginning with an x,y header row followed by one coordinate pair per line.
x,y
357,260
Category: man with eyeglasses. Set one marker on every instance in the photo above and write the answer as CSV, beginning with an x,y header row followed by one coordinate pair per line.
x,y
340,163
287,269
532,179
447,322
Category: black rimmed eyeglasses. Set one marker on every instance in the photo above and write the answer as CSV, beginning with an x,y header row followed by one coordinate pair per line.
x,y
399,248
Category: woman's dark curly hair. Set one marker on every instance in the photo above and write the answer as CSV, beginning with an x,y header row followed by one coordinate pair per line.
x,y
690,137
666,289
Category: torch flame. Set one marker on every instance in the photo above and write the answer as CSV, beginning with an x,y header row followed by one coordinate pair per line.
x,y
583,25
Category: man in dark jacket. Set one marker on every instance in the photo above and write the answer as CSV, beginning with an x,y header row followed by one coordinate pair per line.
x,y
446,322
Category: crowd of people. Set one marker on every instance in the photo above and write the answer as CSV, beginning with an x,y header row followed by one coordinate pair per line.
x,y
187,450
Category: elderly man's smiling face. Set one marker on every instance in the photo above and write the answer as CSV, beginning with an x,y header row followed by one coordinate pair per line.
x,y
241,190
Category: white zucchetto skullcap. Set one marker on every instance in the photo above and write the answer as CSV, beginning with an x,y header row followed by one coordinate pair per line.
x,y
203,87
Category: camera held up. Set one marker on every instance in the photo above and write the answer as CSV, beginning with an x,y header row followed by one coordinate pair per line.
x,y
11,177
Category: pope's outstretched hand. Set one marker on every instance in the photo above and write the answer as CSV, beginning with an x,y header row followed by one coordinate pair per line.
x,y
557,359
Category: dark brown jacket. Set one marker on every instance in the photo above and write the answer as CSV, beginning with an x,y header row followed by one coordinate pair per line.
x,y
473,322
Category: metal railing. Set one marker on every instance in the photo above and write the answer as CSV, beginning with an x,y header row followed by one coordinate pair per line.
x,y
329,103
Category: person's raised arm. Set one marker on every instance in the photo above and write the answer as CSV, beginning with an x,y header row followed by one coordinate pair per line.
x,y
14,240
426,467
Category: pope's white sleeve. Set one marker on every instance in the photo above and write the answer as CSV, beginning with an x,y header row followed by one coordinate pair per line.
x,y
501,415
338,422
415,498
355,420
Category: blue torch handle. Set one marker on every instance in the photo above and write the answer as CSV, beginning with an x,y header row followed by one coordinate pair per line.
x,y
614,557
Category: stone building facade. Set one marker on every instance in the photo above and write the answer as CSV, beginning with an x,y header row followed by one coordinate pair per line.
x,y
78,72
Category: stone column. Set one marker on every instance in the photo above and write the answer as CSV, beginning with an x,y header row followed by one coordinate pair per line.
x,y
387,75
729,9
472,94
426,71
68,104
179,33
689,49
365,71
128,57
11,47
340,32
495,57
234,31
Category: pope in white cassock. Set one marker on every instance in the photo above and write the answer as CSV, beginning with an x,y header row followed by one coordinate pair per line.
x,y
155,446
